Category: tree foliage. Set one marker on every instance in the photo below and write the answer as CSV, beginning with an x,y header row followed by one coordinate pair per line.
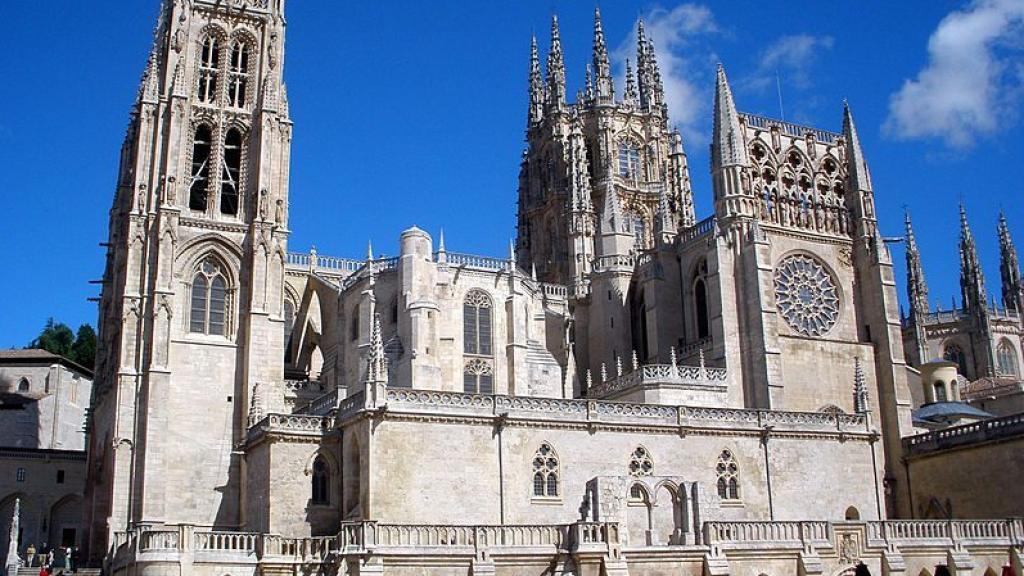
x,y
57,338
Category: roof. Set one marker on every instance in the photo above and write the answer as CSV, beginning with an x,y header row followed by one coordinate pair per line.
x,y
989,386
945,410
37,355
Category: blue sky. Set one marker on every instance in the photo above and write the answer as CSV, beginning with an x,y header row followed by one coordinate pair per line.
x,y
413,113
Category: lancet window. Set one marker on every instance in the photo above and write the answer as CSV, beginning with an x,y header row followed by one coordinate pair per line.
x,y
209,300
478,376
728,477
476,316
209,61
629,159
231,170
238,78
1006,358
700,299
201,147
289,326
545,472
321,479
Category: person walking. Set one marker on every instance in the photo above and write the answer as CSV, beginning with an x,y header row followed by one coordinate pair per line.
x,y
30,555
76,555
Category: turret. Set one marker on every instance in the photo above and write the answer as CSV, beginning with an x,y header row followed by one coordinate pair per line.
x,y
604,87
556,70
679,181
1009,269
860,200
728,154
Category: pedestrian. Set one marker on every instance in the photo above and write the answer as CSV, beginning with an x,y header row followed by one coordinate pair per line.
x,y
76,556
44,570
30,555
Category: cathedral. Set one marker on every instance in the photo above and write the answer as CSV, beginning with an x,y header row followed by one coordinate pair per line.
x,y
632,389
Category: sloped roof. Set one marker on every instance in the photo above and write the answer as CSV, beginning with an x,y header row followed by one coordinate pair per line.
x,y
30,355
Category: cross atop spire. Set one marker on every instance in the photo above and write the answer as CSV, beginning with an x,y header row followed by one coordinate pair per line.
x,y
604,88
727,147
556,68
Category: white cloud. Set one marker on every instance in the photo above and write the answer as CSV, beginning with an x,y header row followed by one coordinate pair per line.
x,y
972,82
791,57
686,63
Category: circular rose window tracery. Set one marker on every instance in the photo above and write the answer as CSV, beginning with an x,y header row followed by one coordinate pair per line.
x,y
806,295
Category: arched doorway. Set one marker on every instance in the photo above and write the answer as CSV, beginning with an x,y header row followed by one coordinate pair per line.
x,y
638,515
65,527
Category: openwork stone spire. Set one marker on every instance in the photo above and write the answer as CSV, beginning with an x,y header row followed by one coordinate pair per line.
x,y
1009,268
604,87
972,279
536,113
579,170
376,363
917,289
556,69
631,95
648,75
727,147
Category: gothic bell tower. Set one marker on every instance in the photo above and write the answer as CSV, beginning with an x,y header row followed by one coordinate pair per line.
x,y
191,306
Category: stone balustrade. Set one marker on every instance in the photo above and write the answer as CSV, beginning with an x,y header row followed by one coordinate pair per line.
x,y
697,377
699,230
788,128
794,534
973,433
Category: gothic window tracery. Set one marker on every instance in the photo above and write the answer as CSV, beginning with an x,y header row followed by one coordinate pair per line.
x,y
231,170
209,300
545,472
1006,359
806,295
201,148
640,462
476,317
209,61
478,377
238,79
728,471
954,353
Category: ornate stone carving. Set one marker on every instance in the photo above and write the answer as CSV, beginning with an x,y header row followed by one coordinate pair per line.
x,y
806,295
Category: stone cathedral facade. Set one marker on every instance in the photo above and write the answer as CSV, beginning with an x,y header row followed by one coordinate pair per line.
x,y
632,389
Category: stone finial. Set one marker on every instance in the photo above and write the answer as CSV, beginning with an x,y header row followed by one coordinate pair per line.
x,y
703,365
536,112
590,379
636,361
727,147
604,373
618,365
13,560
312,258
555,69
256,404
631,95
672,356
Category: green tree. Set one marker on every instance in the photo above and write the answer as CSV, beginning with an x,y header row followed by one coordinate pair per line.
x,y
56,337
83,350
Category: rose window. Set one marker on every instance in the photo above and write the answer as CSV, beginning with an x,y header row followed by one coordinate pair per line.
x,y
806,295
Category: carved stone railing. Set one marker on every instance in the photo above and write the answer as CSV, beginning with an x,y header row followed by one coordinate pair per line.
x,y
795,534
702,228
967,434
649,374
554,291
244,542
611,261
947,532
342,266
599,411
474,261
366,536
295,424
297,386
788,128
321,405
158,540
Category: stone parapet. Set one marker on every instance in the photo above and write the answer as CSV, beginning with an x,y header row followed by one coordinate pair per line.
x,y
995,429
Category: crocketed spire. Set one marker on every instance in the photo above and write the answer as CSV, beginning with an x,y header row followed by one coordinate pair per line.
x,y
631,96
604,88
1009,268
647,72
972,279
536,113
857,166
917,289
556,69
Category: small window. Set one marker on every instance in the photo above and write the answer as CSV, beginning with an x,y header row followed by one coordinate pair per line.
x,y
728,484
289,325
321,481
940,391
478,377
852,513
20,475
24,385
354,325
545,472
640,462
637,494
60,476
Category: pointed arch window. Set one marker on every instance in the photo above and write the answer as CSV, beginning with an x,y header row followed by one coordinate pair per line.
x,y
545,472
476,316
209,295
728,477
321,482
238,77
700,300
940,391
201,146
209,61
24,385
1006,359
231,169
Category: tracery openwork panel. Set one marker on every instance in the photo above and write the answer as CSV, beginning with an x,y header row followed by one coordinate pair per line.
x,y
545,472
806,295
640,462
